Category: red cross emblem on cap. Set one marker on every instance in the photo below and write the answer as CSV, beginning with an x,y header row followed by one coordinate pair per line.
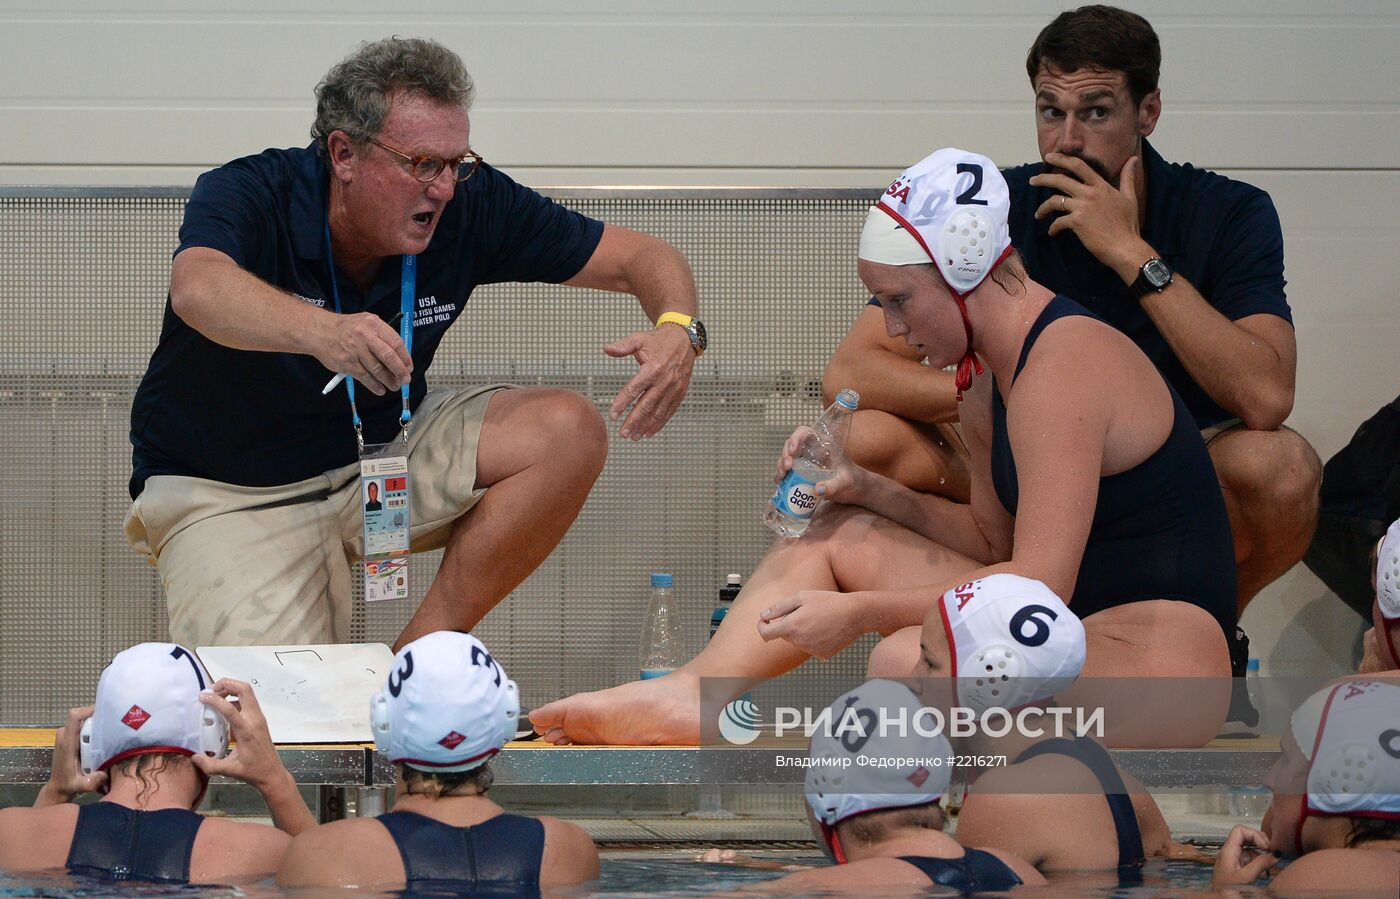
x,y
135,717
451,740
918,777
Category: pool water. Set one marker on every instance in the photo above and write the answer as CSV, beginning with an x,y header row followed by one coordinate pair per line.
x,y
649,874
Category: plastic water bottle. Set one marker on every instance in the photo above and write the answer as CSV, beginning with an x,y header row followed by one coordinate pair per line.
x,y
661,635
727,594
790,510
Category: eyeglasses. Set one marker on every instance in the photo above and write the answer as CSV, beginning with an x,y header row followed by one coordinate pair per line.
x,y
427,168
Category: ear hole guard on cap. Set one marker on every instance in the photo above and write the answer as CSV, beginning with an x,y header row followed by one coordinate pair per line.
x,y
1388,582
379,721
966,249
989,677
510,720
1348,770
821,789
86,758
213,732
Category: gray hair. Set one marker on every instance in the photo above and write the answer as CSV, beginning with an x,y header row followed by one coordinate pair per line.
x,y
354,96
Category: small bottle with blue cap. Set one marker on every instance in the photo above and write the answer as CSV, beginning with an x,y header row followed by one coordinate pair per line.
x,y
661,637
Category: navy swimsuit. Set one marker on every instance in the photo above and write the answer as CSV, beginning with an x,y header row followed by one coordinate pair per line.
x,y
975,872
1159,531
499,855
1120,804
119,843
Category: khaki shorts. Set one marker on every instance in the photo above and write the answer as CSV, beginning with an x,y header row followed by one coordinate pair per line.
x,y
248,566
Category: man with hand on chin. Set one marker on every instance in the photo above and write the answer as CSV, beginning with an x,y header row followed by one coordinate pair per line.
x,y
1186,262
352,257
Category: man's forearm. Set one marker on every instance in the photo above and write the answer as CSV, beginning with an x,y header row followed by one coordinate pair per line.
x,y
1237,369
649,268
237,309
662,281
1247,376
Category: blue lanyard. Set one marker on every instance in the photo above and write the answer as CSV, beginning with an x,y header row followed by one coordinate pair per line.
x,y
408,277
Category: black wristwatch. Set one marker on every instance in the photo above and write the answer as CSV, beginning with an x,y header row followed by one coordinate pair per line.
x,y
1153,277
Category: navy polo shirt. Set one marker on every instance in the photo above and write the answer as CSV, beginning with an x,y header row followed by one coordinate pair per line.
x,y
1221,235
258,419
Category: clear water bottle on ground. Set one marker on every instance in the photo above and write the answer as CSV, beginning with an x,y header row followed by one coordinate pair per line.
x,y
661,633
727,594
790,510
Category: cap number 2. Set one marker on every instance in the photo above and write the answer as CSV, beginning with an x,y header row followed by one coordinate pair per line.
x,y
969,196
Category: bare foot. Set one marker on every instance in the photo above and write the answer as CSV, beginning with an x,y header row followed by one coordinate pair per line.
x,y
661,711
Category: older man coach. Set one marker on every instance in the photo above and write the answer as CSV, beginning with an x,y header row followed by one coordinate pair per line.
x,y
291,267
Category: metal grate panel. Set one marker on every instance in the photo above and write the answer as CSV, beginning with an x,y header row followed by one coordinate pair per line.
x,y
83,275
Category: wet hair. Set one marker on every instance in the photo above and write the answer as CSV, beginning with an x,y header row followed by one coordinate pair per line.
x,y
147,767
1102,39
438,783
355,94
875,827
1371,830
1011,269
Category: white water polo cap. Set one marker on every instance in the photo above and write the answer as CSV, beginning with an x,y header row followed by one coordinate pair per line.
x,y
1355,768
1013,642
447,705
955,205
1388,573
148,701
1306,719
858,766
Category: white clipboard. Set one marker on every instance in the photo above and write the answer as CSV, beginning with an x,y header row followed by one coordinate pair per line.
x,y
310,694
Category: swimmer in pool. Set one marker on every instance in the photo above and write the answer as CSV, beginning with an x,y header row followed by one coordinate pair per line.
x,y
883,825
1088,474
1336,804
1096,817
446,708
155,735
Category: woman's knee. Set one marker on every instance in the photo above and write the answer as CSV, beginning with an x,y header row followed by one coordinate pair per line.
x,y
894,656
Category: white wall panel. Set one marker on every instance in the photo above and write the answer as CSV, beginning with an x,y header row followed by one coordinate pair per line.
x,y
589,88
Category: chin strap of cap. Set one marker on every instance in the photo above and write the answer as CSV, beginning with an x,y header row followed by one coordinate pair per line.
x,y
833,842
963,379
969,362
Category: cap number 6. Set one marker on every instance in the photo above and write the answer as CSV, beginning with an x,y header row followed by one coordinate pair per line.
x,y
1040,631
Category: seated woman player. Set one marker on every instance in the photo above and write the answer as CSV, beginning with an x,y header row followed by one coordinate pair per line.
x,y
1088,474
